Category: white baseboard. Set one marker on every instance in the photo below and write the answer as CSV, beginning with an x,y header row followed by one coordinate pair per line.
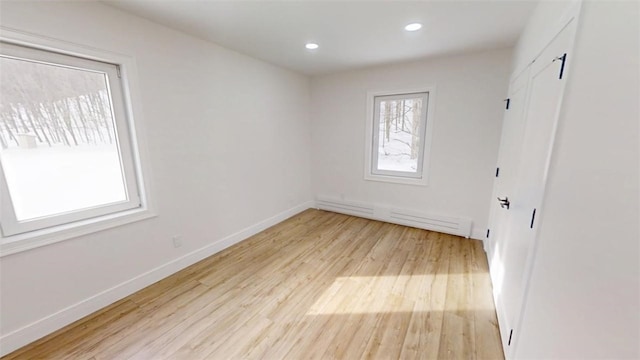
x,y
479,234
459,226
38,329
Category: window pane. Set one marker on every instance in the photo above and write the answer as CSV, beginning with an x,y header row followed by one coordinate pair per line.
x,y
57,133
399,134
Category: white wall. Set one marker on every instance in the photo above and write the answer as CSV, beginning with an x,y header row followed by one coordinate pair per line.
x,y
584,295
228,138
468,119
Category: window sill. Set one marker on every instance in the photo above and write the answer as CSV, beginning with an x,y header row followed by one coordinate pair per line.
x,y
397,179
35,239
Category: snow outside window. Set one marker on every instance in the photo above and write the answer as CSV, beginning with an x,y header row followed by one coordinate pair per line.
x,y
65,142
398,137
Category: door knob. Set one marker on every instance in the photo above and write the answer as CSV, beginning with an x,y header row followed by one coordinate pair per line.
x,y
504,203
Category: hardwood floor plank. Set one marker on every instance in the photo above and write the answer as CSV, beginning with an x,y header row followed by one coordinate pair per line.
x,y
319,285
159,319
64,339
427,316
458,340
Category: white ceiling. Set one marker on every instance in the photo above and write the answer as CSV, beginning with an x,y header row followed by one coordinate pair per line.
x,y
351,34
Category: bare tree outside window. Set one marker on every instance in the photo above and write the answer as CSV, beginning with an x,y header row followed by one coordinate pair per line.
x,y
399,134
59,148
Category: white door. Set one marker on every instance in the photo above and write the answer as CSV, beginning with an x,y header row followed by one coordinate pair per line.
x,y
514,247
506,171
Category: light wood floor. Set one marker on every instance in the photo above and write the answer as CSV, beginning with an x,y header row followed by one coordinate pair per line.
x,y
318,285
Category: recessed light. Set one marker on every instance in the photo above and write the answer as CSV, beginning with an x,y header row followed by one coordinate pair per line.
x,y
413,27
311,46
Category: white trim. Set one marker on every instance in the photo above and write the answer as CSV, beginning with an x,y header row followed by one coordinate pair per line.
x,y
138,148
120,125
479,234
459,226
40,328
23,242
426,147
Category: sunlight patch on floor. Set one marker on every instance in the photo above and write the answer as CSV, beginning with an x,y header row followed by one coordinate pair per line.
x,y
396,294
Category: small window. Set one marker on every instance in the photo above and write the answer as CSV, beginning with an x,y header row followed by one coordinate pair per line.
x,y
398,137
65,141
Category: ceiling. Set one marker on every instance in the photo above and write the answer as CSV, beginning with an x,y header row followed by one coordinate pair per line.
x,y
351,34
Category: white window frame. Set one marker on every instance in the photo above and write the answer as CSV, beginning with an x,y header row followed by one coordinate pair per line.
x,y
16,236
372,126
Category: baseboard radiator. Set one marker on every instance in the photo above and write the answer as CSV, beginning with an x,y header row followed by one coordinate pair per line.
x,y
444,224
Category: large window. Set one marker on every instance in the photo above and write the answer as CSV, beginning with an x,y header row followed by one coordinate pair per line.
x,y
398,137
66,149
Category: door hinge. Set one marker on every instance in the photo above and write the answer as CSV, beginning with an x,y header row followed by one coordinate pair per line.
x,y
510,335
533,218
488,231
508,102
118,71
564,60
497,172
